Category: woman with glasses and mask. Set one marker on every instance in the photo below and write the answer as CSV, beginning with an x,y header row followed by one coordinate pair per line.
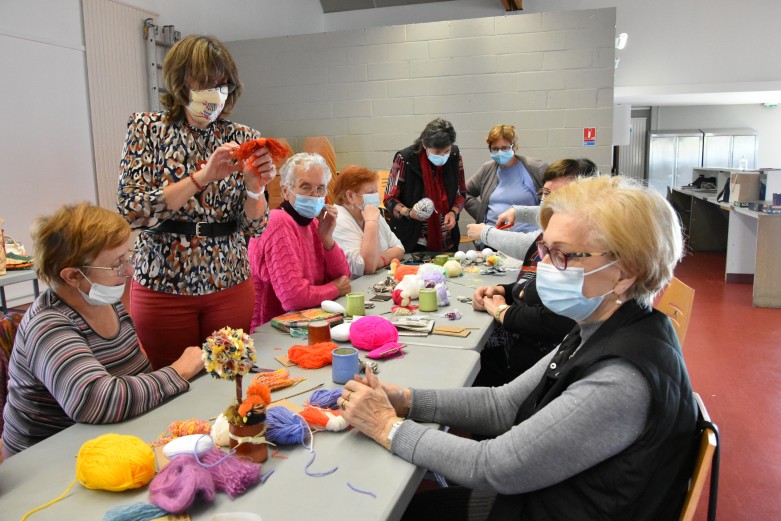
x,y
507,179
426,191
365,237
527,330
76,357
193,203
297,264
601,428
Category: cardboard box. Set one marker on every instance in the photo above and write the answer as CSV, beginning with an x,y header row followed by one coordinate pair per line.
x,y
743,186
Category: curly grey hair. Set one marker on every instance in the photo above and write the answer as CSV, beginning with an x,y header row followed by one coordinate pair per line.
x,y
303,161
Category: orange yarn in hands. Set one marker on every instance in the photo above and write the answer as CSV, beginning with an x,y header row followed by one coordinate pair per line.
x,y
115,462
312,357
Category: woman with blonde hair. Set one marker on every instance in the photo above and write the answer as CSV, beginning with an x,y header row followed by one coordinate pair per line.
x,y
76,357
601,428
194,204
367,240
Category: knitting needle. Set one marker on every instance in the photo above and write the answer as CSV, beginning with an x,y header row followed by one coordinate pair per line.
x,y
296,394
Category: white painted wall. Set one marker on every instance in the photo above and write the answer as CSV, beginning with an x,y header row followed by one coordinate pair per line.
x,y
767,121
371,91
45,139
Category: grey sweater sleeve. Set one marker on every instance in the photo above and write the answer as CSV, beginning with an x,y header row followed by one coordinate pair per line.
x,y
594,419
527,214
514,244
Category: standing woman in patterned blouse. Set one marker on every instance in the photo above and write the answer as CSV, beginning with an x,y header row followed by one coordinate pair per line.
x,y
193,203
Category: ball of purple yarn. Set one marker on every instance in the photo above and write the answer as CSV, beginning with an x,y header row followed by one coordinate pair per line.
x,y
285,427
231,475
325,398
175,487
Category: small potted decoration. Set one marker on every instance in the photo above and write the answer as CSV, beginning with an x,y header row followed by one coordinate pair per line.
x,y
229,354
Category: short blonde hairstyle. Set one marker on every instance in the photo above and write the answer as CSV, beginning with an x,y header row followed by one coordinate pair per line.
x,y
629,220
351,178
73,236
502,132
202,60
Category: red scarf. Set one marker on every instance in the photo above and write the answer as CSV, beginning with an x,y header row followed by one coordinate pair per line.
x,y
435,190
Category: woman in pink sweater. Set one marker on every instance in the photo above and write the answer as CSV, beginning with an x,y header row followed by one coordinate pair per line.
x,y
295,263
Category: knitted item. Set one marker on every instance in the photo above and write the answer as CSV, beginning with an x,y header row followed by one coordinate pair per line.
x,y
424,208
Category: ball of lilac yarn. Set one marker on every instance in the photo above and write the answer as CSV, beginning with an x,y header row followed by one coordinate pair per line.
x,y
175,488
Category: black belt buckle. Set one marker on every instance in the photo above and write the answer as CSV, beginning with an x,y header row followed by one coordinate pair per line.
x,y
198,228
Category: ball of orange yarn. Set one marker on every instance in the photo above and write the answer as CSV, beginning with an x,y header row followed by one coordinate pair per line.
x,y
405,270
115,462
312,357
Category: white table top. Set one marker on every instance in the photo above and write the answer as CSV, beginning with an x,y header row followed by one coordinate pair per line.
x,y
479,322
42,472
14,276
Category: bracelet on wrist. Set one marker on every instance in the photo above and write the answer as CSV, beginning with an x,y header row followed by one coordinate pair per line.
x,y
196,183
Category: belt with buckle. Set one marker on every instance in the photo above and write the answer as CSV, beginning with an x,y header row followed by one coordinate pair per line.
x,y
199,229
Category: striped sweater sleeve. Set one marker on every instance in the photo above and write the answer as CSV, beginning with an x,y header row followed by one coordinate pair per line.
x,y
96,380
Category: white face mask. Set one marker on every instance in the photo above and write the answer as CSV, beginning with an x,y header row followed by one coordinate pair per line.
x,y
100,294
206,105
372,199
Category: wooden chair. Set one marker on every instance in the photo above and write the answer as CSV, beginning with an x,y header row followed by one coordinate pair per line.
x,y
707,459
676,302
274,188
321,145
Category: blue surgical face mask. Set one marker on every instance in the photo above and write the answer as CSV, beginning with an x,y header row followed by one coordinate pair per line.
x,y
561,291
309,206
100,294
503,157
371,200
438,160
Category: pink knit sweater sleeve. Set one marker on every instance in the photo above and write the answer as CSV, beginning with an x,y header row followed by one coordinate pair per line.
x,y
288,279
335,263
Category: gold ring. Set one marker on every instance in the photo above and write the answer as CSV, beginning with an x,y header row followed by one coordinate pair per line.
x,y
348,396
343,406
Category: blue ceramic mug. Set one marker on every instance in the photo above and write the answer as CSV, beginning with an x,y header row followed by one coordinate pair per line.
x,y
345,364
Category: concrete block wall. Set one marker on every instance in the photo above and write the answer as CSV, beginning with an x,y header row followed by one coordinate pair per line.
x,y
372,90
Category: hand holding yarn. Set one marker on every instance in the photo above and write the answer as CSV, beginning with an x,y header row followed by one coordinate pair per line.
x,y
424,209
367,408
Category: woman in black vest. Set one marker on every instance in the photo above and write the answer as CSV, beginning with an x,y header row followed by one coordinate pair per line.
x,y
426,191
601,428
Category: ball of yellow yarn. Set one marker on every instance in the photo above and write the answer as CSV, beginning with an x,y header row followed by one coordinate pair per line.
x,y
115,462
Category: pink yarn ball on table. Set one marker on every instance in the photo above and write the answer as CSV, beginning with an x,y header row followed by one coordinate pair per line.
x,y
372,332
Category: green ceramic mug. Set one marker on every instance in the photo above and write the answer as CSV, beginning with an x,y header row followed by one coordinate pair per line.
x,y
428,299
356,304
440,260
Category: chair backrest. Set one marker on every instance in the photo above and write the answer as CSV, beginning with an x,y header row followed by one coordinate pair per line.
x,y
707,457
382,183
274,188
321,145
676,302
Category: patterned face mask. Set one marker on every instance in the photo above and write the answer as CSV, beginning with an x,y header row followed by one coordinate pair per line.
x,y
206,105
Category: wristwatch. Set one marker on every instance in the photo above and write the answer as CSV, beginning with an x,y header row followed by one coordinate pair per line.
x,y
499,309
391,433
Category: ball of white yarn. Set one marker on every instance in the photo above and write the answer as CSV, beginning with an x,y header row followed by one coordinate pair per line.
x,y
424,208
220,431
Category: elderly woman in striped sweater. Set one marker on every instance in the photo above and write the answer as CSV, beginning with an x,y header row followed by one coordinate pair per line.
x,y
76,357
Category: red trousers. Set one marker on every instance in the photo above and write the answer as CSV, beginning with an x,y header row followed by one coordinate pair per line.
x,y
166,324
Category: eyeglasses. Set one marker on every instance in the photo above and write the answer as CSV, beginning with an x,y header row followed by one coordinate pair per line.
x,y
559,258
306,189
494,150
118,270
542,192
224,88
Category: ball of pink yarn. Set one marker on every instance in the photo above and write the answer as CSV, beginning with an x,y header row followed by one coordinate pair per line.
x,y
372,332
